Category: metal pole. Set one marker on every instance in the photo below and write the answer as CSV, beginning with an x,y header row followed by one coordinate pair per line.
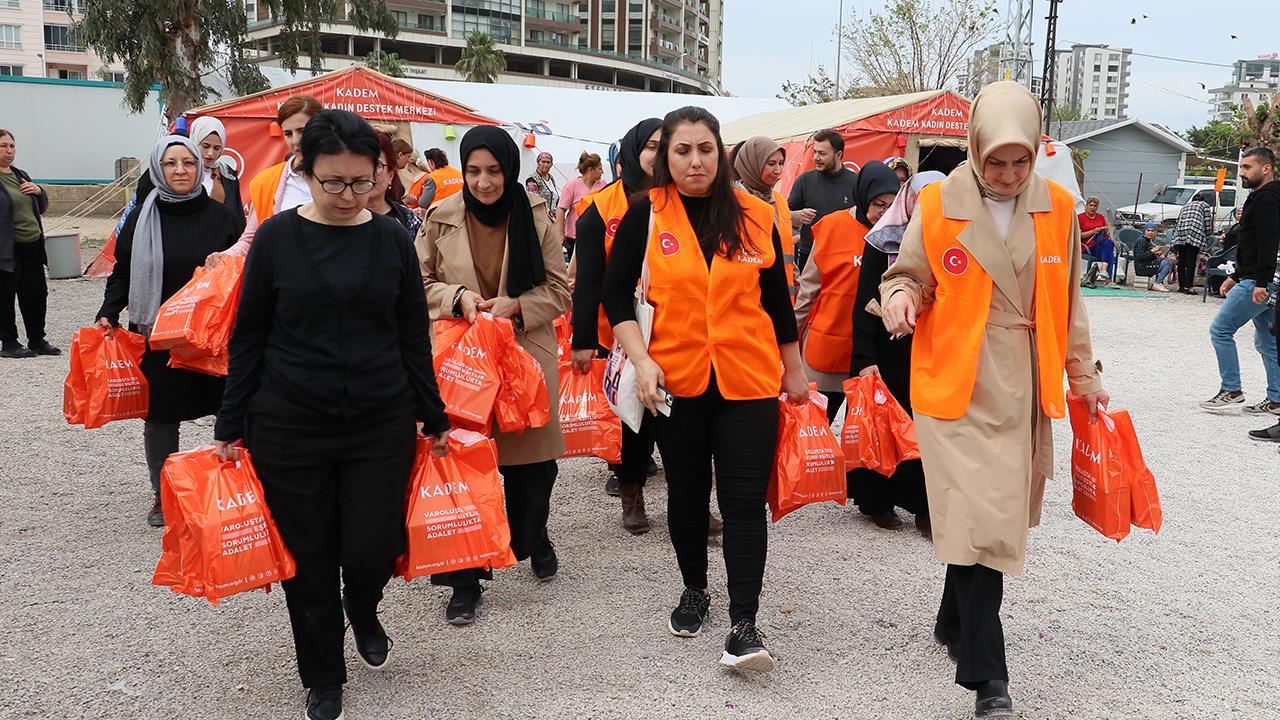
x,y
1137,196
839,48
1050,74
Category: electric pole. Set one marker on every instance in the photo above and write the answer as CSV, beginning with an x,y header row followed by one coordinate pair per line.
x,y
839,48
1050,63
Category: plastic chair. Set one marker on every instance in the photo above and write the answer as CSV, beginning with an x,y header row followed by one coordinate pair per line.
x,y
1126,238
1211,270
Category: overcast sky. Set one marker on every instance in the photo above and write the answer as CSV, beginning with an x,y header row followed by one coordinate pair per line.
x,y
763,49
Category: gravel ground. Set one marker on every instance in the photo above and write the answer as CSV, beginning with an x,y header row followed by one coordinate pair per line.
x,y
1175,626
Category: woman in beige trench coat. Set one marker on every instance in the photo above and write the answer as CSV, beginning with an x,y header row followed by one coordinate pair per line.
x,y
492,248
985,470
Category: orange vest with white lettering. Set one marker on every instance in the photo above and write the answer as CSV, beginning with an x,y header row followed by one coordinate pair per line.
x,y
838,242
950,331
448,180
782,212
612,204
711,318
262,191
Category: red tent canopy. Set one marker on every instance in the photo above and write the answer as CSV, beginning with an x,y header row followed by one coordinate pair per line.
x,y
873,128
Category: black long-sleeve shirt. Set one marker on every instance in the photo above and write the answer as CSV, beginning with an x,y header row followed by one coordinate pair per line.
x,y
1259,235
588,284
626,263
349,352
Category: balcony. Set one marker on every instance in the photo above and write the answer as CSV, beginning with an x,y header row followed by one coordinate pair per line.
x,y
668,22
65,48
662,47
420,27
552,17
62,6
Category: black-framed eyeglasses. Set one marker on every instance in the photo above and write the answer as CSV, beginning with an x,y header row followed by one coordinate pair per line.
x,y
336,187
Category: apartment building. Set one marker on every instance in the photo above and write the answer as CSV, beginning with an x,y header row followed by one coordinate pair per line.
x,y
38,39
1256,79
1094,81
655,45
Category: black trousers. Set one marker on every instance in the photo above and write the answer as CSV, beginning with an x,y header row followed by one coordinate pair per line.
x,y
637,451
1188,256
159,441
739,438
527,491
26,284
337,494
970,617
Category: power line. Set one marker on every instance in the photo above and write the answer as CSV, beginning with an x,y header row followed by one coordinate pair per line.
x,y
1166,57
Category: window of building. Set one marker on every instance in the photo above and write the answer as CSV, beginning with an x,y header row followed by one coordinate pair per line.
x,y
11,70
15,4
251,9
608,6
66,74
1111,112
502,30
62,38
426,22
11,37
402,17
608,35
62,6
1097,67
112,77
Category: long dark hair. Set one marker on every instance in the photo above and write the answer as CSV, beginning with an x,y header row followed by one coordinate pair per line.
x,y
395,191
724,225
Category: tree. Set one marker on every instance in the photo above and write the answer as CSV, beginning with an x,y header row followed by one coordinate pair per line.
x,y
1219,138
177,43
481,59
915,45
386,63
1064,113
1261,124
817,88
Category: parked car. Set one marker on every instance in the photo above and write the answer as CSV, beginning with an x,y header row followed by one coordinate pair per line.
x,y
1164,207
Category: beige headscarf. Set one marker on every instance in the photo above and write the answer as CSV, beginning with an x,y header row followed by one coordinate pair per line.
x,y
752,155
1004,113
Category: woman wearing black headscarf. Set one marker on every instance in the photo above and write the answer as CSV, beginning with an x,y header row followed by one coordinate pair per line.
x,y
876,351
591,332
492,248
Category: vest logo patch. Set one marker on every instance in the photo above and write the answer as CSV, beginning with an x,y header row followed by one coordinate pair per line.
x,y
955,261
611,227
668,243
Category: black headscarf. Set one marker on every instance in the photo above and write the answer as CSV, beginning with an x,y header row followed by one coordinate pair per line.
x,y
525,267
633,176
874,179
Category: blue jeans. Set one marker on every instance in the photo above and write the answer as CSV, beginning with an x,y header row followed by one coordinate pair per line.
x,y
1166,267
1237,311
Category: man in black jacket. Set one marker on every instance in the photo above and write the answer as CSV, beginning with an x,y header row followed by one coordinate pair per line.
x,y
1248,289
22,257
826,188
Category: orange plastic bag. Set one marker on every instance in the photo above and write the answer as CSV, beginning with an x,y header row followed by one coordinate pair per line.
x,y
878,433
219,538
456,512
563,326
105,381
523,398
201,361
201,314
808,464
1144,499
1100,494
590,428
466,364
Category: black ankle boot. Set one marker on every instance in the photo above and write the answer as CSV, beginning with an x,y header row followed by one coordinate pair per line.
x,y
992,700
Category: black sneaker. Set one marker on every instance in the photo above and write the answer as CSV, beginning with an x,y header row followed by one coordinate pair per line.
x,y
992,700
687,618
155,518
372,644
324,703
462,606
15,351
744,649
43,348
544,561
651,469
1271,434
611,485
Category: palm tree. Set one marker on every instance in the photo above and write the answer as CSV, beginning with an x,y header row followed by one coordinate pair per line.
x,y
481,59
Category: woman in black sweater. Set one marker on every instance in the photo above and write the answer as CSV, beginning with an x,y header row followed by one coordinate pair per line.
x,y
330,375
164,239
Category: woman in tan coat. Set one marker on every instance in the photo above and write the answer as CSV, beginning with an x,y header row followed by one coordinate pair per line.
x,y
492,248
986,280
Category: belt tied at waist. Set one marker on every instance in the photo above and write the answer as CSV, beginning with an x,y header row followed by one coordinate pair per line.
x,y
1002,319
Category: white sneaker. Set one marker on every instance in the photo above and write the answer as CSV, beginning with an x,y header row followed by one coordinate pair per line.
x,y
1157,287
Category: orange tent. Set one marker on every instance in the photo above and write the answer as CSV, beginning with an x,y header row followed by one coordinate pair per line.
x,y
255,139
875,128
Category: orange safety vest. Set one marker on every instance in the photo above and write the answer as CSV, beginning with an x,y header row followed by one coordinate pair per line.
x,y
448,180
838,241
950,331
783,215
262,191
711,318
612,204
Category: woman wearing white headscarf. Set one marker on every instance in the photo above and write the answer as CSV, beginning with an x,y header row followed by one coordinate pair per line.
x,y
165,238
989,267
219,178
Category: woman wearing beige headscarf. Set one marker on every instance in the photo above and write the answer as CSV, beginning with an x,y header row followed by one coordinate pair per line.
x,y
988,266
757,164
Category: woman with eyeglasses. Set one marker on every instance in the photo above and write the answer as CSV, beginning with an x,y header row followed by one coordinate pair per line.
x,y
165,238
330,378
829,283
